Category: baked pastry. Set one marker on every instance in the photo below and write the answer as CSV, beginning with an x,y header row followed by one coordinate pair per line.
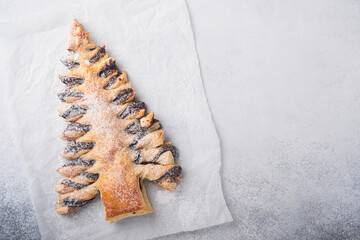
x,y
113,145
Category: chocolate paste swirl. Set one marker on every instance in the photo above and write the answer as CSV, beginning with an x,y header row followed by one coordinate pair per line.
x,y
131,108
70,64
108,69
69,183
70,80
98,55
123,96
80,162
74,111
69,93
75,147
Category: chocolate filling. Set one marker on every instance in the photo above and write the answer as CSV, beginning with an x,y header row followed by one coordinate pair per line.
x,y
72,184
73,111
69,93
75,147
136,139
152,123
73,202
77,127
131,108
165,148
69,80
111,81
90,175
160,124
80,162
70,64
98,55
140,184
171,173
123,96
137,157
71,52
134,127
108,69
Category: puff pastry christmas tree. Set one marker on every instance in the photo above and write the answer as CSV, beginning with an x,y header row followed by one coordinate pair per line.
x,y
113,145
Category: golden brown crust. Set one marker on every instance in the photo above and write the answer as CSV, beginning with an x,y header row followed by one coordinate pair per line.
x,y
112,144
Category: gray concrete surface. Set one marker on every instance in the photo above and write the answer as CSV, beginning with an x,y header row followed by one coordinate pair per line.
x,y
282,81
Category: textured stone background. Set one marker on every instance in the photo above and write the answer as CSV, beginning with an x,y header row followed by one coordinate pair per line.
x,y
282,81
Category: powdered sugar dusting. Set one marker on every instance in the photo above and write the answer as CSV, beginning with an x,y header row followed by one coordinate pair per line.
x,y
76,56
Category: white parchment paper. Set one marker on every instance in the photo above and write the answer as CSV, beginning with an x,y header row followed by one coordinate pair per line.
x,y
153,41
